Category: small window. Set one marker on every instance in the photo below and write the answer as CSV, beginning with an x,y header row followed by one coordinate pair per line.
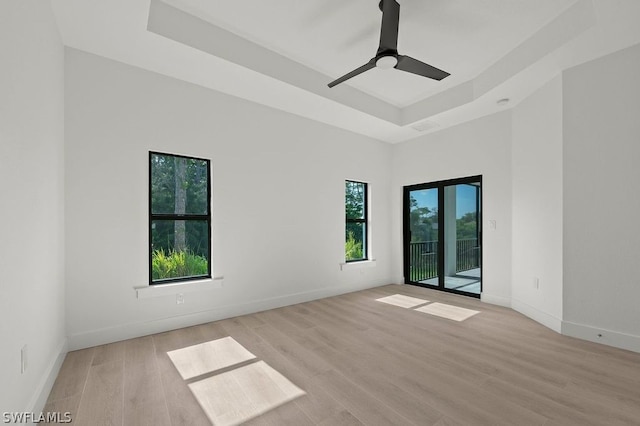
x,y
179,218
356,221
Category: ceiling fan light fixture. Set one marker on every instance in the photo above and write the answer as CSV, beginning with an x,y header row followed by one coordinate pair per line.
x,y
386,62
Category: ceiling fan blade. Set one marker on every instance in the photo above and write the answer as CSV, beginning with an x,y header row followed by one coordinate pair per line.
x,y
414,66
360,70
390,21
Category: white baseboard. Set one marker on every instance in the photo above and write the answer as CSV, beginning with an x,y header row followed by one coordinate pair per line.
x,y
496,300
41,394
544,318
133,330
599,335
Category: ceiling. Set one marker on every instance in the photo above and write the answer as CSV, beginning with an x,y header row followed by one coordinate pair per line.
x,y
283,53
336,36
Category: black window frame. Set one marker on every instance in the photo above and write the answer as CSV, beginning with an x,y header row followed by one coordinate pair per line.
x,y
184,217
364,221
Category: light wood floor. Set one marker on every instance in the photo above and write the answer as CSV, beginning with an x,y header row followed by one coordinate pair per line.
x,y
365,362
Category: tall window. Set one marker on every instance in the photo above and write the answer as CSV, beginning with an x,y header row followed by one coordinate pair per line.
x,y
356,221
179,218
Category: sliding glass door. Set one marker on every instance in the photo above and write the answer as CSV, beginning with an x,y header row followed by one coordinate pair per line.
x,y
423,244
443,235
462,237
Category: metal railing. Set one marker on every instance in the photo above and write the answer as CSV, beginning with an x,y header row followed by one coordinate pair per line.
x,y
467,254
423,258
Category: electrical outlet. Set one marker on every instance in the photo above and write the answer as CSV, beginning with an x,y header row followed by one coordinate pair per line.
x,y
23,359
536,283
179,299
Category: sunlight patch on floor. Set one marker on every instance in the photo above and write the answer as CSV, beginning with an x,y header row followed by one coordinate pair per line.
x,y
402,301
209,357
448,311
235,396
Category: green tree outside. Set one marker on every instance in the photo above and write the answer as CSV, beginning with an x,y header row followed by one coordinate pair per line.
x,y
355,232
179,185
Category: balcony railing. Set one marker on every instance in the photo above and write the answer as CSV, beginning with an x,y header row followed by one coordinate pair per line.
x,y
423,258
467,254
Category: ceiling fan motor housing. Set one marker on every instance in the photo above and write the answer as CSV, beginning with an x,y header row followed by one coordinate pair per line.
x,y
386,62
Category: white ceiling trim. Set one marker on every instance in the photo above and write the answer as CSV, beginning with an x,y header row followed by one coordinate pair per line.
x,y
567,26
117,29
182,27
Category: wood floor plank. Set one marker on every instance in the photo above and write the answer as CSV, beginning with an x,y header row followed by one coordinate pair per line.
x,y
73,375
244,335
370,368
250,321
448,421
139,351
442,333
277,319
109,353
362,405
181,404
299,355
468,405
210,331
167,341
343,418
317,404
362,362
599,403
296,315
102,399
182,407
539,402
375,379
284,415
62,407
144,400
409,349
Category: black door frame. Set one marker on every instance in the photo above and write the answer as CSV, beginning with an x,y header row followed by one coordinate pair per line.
x,y
439,185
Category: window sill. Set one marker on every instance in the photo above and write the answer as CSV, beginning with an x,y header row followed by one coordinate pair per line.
x,y
357,265
168,289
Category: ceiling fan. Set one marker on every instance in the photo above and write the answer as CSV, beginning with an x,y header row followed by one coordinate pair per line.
x,y
387,55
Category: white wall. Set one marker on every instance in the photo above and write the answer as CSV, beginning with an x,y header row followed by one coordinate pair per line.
x,y
601,199
537,205
560,177
479,147
32,194
278,200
